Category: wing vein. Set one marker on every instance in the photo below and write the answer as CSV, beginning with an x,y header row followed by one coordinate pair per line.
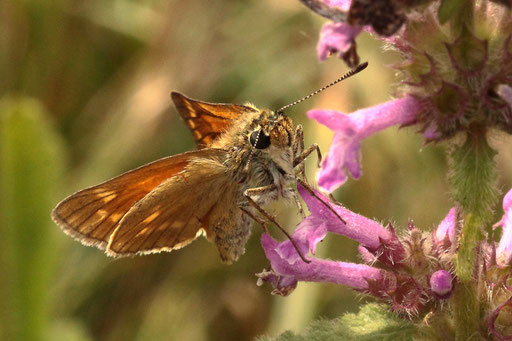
x,y
81,207
87,235
132,240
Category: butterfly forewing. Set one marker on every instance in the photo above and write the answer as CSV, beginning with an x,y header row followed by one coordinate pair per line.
x,y
208,120
176,212
92,214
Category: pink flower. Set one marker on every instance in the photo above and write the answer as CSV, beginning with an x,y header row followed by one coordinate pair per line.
x,y
289,271
441,283
322,220
405,272
504,250
344,5
350,17
288,267
442,91
505,92
445,232
339,38
350,130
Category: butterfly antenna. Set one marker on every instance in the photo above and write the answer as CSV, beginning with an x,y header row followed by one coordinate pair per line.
x,y
251,153
352,72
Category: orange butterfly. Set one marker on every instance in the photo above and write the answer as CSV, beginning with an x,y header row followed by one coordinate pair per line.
x,y
248,157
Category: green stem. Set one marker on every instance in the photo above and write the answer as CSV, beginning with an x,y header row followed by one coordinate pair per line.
x,y
466,313
473,179
473,176
466,305
465,261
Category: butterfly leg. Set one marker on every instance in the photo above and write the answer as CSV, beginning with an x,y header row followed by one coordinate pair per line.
x,y
293,194
298,148
300,158
249,195
262,190
312,192
256,218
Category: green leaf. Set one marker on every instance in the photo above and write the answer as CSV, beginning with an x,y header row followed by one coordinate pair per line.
x,y
373,322
30,167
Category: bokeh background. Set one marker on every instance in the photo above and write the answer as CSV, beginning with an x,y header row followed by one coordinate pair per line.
x,y
84,96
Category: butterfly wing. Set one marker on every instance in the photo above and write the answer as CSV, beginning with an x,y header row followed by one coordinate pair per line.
x,y
91,215
179,210
208,120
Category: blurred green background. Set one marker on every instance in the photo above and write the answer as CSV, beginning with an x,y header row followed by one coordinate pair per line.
x,y
85,96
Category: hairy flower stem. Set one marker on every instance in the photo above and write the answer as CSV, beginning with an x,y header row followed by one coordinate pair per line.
x,y
468,250
466,305
473,178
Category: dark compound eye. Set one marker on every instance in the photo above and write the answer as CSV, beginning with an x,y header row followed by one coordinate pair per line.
x,y
259,140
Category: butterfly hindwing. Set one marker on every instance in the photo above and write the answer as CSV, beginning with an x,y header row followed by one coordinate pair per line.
x,y
208,120
177,211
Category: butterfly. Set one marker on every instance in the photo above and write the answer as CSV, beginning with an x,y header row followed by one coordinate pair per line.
x,y
246,158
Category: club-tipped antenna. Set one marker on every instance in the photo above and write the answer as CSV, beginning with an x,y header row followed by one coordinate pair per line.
x,y
352,72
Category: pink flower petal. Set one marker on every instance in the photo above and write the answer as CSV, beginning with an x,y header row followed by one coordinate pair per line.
x,y
306,236
344,5
336,38
359,228
504,250
372,235
431,132
320,270
445,232
350,130
505,92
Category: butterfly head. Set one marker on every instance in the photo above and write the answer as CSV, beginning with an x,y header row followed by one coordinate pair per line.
x,y
272,130
272,138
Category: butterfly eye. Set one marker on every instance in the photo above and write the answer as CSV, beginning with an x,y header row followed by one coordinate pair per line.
x,y
259,140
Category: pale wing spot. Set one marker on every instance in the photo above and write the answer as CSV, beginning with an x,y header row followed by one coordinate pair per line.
x,y
191,124
101,193
109,198
146,241
115,217
151,217
191,110
142,232
101,213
